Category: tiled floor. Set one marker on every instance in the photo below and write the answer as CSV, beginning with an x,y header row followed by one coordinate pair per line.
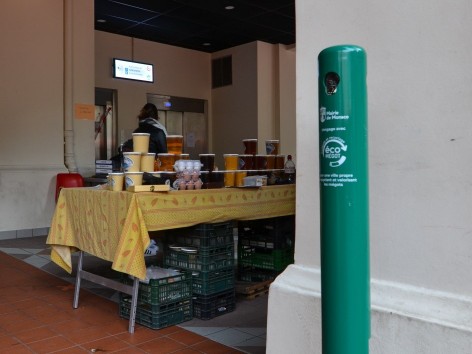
x,y
36,314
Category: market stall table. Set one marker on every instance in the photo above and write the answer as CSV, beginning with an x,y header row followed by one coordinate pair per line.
x,y
114,225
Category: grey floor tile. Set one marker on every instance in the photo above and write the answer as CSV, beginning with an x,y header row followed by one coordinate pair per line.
x,y
230,336
24,233
45,256
36,261
7,235
253,342
13,251
205,331
42,231
33,250
258,331
252,350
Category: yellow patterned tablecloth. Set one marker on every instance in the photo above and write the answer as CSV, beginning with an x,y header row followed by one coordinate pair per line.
x,y
114,225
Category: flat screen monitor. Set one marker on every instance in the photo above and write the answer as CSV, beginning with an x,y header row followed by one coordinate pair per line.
x,y
132,70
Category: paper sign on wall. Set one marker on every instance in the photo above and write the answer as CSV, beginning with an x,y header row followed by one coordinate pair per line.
x,y
84,111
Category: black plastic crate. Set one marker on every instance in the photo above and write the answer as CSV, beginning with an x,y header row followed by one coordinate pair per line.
x,y
199,261
207,283
276,260
203,236
206,307
202,251
255,275
268,234
164,290
157,317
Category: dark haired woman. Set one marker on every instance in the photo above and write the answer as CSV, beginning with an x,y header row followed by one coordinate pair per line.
x,y
148,123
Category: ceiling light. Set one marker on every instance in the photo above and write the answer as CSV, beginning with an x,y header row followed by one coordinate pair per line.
x,y
206,44
229,7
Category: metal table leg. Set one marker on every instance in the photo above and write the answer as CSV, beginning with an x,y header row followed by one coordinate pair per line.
x,y
109,283
134,304
77,280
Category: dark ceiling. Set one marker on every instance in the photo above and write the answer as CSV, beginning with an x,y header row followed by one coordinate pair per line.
x,y
204,25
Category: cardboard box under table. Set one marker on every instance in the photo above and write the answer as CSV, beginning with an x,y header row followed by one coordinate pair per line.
x,y
114,225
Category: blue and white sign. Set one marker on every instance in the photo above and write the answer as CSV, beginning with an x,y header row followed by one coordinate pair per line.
x,y
132,70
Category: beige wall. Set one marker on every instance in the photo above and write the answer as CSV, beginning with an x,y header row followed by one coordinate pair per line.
x,y
31,90
178,72
419,128
79,77
261,101
267,94
234,107
419,97
286,109
32,100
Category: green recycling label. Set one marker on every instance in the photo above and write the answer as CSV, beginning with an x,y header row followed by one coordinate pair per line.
x,y
333,149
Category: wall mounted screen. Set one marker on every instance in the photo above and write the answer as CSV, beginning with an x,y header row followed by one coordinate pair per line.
x,y
132,70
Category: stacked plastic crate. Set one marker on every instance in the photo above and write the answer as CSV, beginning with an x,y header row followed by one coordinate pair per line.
x,y
162,302
207,251
265,247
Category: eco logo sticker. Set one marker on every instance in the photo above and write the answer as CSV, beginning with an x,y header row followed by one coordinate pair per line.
x,y
333,149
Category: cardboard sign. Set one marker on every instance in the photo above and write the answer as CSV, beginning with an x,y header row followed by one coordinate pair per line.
x,y
84,111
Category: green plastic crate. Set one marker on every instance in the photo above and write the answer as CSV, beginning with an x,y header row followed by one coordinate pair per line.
x,y
198,261
203,236
276,260
205,251
164,290
157,317
207,283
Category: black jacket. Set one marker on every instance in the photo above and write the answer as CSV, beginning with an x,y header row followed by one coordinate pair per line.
x,y
157,140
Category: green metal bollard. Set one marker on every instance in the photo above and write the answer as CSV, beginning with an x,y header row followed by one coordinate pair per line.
x,y
344,200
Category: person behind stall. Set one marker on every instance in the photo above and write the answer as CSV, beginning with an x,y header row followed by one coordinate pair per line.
x,y
149,123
